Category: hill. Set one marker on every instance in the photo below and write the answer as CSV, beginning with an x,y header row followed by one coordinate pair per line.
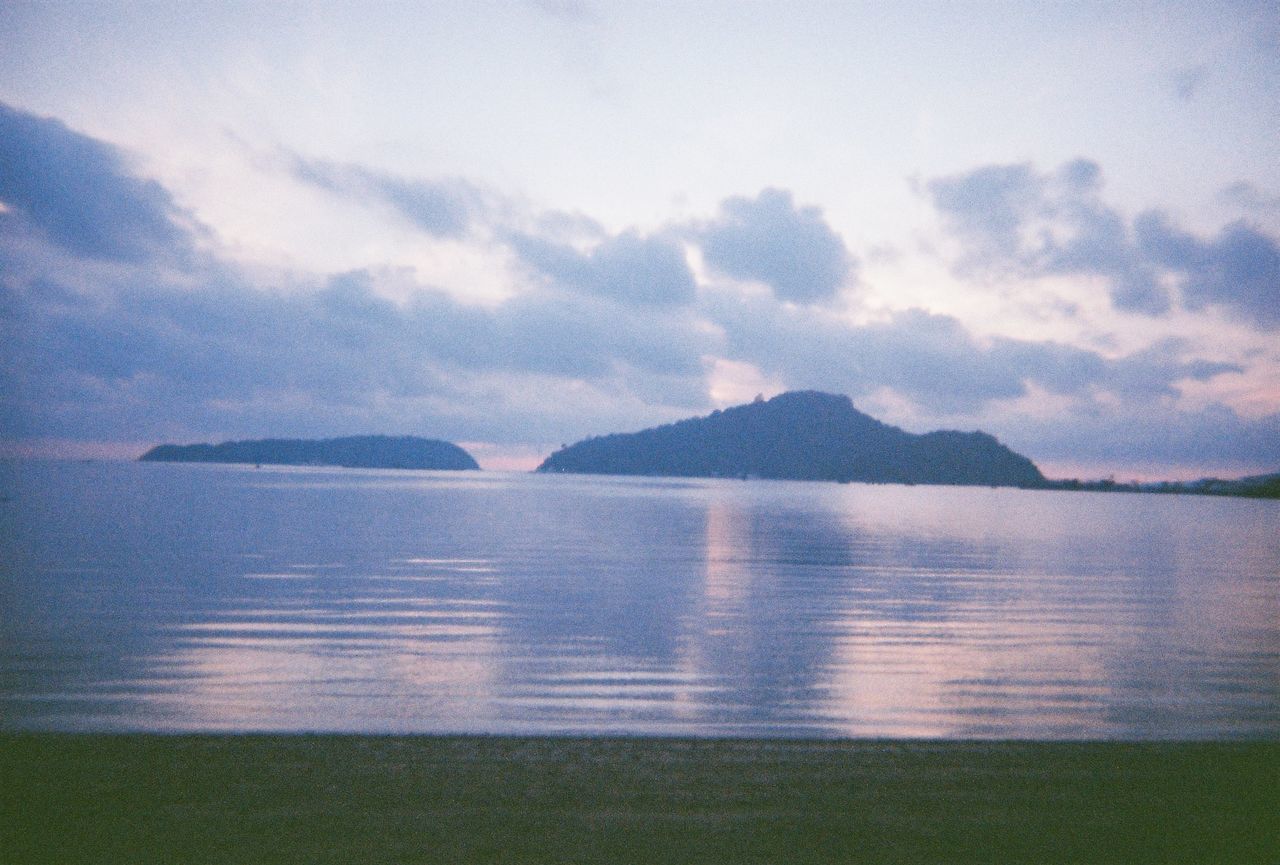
x,y
372,452
802,435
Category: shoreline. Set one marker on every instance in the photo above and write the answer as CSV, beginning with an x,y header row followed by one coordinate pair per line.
x,y
252,797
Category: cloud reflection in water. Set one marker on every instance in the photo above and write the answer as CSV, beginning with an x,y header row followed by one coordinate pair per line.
x,y
238,599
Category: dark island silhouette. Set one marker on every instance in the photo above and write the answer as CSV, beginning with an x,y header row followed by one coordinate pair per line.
x,y
366,452
801,435
1251,487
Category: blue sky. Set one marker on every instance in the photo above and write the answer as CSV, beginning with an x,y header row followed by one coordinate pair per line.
x,y
514,225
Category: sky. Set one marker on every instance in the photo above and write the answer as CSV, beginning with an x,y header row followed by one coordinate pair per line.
x,y
515,225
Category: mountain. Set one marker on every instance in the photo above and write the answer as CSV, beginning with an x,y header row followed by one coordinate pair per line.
x,y
802,435
369,452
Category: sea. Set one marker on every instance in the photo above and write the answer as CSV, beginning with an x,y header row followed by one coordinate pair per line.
x,y
188,597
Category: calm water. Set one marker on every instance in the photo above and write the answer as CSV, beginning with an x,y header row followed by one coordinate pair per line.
x,y
187,597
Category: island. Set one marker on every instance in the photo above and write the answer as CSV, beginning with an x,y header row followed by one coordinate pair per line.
x,y
366,452
800,435
1251,487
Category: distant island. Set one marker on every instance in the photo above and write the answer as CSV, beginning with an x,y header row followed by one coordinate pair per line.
x,y
801,435
1252,487
366,452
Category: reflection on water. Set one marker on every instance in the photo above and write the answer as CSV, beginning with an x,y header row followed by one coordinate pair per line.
x,y
171,597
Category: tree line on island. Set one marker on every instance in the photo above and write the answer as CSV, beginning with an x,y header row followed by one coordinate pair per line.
x,y
801,435
364,452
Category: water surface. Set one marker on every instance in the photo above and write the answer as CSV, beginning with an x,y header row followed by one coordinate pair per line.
x,y
201,597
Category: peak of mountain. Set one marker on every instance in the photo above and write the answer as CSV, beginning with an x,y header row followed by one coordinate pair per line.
x,y
371,452
800,435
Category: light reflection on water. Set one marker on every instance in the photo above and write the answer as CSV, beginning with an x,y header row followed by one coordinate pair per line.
x,y
171,597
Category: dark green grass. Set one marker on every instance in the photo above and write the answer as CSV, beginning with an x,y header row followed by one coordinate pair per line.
x,y
357,799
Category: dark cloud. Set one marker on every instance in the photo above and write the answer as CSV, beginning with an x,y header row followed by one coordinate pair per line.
x,y
789,248
1167,245
1094,239
1081,175
1243,274
440,208
989,206
1238,270
133,351
1188,81
1117,409
1143,376
1148,435
1013,218
1090,237
131,358
628,267
79,194
936,363
933,360
1249,196
589,337
146,359
110,330
224,341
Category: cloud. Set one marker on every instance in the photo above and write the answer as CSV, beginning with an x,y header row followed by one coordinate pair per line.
x,y
1142,376
935,362
79,194
1148,435
628,267
1250,196
136,355
589,337
1238,270
1013,219
138,350
770,240
1188,81
1093,239
989,206
112,329
442,208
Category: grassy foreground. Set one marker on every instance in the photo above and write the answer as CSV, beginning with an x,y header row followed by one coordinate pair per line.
x,y
356,799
